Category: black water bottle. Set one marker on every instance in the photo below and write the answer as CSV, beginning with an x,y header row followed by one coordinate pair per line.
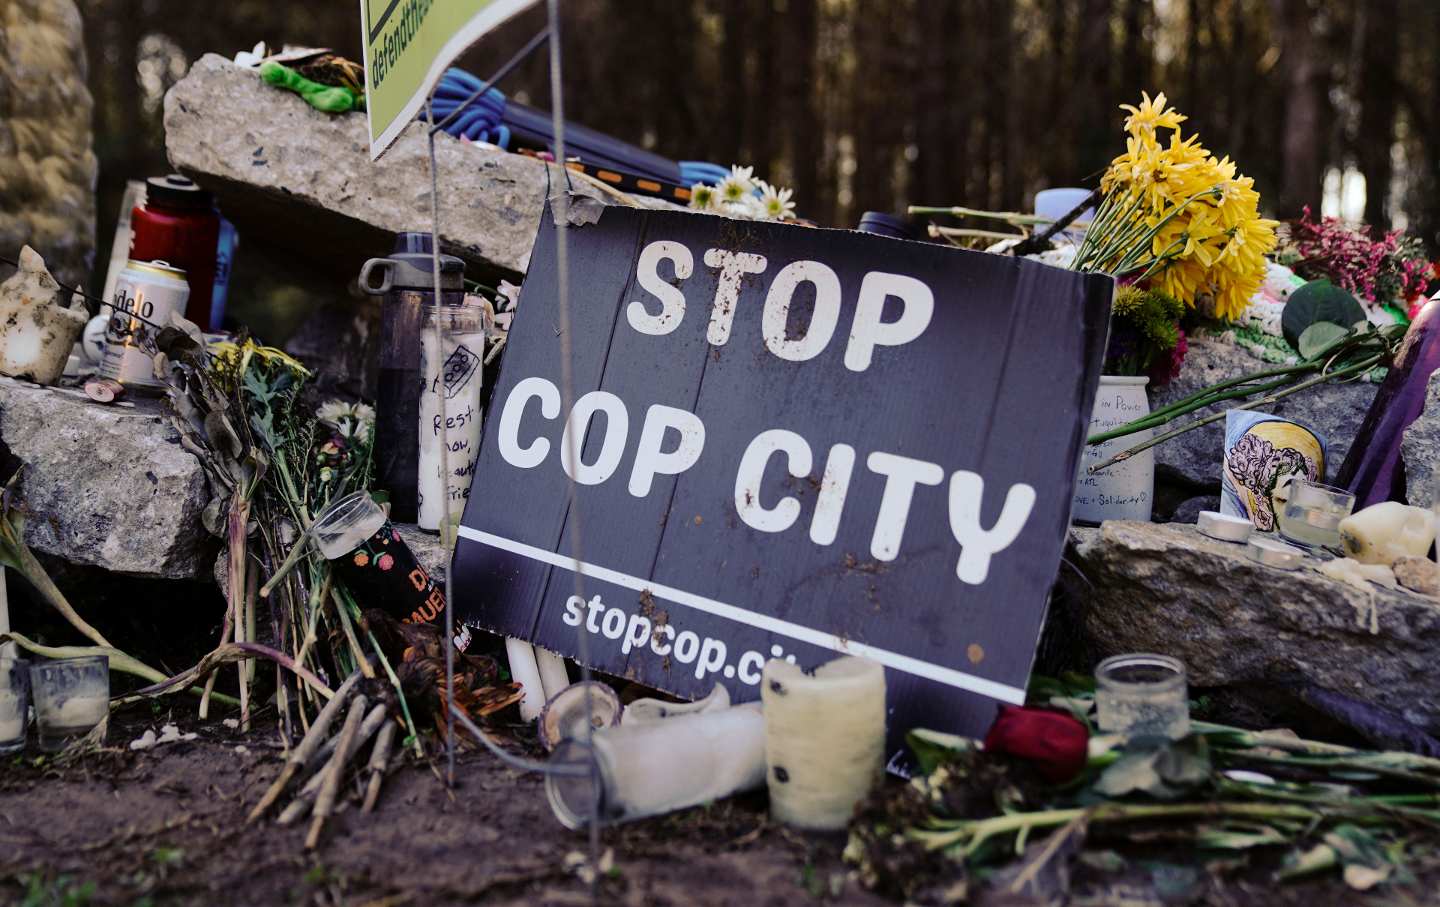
x,y
406,280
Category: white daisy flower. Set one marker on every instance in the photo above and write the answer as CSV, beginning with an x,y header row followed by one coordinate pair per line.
x,y
704,197
332,411
349,419
775,202
737,185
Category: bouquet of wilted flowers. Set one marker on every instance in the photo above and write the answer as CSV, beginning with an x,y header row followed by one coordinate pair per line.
x,y
1177,219
741,194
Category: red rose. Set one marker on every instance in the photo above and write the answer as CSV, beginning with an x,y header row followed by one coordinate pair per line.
x,y
1056,743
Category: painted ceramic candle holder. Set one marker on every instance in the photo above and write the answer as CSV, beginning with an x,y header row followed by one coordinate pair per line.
x,y
1263,454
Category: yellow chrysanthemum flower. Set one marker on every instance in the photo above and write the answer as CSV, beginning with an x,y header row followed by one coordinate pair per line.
x,y
1151,115
1176,215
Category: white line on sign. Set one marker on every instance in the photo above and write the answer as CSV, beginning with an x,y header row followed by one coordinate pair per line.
x,y
948,676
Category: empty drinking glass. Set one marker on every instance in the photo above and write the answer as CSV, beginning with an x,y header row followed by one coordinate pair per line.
x,y
72,697
14,704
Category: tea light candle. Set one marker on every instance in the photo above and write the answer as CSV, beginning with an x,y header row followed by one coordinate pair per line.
x,y
1224,527
824,739
1274,554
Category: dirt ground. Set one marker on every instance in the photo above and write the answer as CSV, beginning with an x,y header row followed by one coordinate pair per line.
x,y
167,826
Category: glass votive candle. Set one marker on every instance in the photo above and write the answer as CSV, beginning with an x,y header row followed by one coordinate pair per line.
x,y
655,767
1142,695
1312,515
14,704
72,698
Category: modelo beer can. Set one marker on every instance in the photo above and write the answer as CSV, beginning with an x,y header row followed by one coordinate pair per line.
x,y
146,292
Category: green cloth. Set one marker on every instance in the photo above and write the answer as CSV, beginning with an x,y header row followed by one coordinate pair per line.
x,y
326,98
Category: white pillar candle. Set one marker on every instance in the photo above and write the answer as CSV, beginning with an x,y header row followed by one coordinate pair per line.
x,y
457,375
524,669
553,676
824,739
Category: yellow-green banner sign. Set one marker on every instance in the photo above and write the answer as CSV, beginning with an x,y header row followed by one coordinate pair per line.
x,y
408,44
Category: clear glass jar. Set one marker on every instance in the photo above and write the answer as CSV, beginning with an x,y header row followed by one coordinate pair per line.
x,y
457,374
14,704
72,698
655,767
1142,695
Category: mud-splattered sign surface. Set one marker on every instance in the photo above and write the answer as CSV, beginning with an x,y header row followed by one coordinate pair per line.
x,y
791,442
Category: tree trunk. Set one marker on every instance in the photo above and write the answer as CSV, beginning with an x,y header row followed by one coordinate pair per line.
x,y
1304,134
1377,96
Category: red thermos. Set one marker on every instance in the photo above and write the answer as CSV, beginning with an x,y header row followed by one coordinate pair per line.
x,y
178,224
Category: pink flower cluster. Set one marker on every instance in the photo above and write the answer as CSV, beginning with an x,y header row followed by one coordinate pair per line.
x,y
1390,269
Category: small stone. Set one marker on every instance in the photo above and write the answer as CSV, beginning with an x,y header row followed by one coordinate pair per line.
x,y
1418,574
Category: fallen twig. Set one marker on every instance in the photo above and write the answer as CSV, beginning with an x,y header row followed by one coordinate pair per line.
x,y
325,802
379,761
301,754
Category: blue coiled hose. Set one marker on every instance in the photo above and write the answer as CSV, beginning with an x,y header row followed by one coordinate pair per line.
x,y
495,119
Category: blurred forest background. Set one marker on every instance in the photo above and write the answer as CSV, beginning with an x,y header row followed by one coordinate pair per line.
x,y
876,104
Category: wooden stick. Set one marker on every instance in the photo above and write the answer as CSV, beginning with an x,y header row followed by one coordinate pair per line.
x,y
325,802
379,761
301,754
311,789
373,722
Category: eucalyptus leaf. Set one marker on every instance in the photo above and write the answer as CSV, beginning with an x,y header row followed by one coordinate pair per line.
x,y
1317,301
1318,337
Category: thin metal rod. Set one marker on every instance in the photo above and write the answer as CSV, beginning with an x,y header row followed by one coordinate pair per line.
x,y
534,44
516,762
447,532
567,393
